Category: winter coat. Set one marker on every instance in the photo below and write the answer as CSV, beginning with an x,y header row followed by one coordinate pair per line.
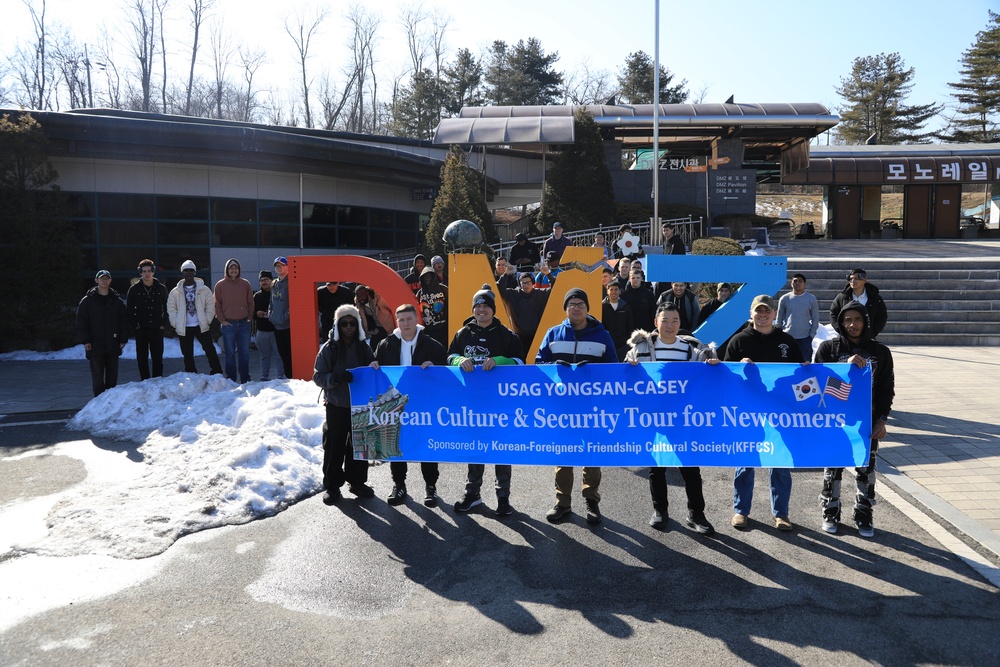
x,y
775,347
840,349
591,344
479,343
425,349
878,314
643,304
619,323
558,246
233,297
642,345
147,306
204,306
686,304
261,302
102,322
278,311
335,357
525,257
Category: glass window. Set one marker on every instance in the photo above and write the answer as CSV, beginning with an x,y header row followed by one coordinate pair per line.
x,y
170,260
86,231
381,218
114,232
320,237
182,233
319,214
352,216
181,208
279,235
406,238
233,234
122,260
236,210
351,237
279,211
124,206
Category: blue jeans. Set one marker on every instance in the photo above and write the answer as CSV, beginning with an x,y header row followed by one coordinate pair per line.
x,y
268,350
781,491
236,338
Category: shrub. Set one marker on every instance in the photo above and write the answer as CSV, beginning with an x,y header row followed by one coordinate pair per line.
x,y
716,245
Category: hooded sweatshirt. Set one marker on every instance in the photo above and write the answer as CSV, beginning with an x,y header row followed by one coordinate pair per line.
x,y
233,297
839,350
413,277
335,357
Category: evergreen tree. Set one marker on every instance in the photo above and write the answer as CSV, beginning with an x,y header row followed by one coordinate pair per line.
x,y
417,109
463,79
35,239
578,188
635,82
978,91
875,93
522,74
459,197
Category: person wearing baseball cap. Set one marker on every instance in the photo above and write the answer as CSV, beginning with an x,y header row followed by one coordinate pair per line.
x,y
556,243
762,342
102,327
483,341
278,316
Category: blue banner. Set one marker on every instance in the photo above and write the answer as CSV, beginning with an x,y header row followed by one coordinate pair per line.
x,y
652,414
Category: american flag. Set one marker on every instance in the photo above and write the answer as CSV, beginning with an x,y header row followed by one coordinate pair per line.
x,y
837,388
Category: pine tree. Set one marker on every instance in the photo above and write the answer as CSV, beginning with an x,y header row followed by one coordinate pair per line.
x,y
463,79
978,91
875,93
34,238
635,82
459,197
522,75
578,188
417,109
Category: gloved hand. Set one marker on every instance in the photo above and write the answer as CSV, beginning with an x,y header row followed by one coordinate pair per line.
x,y
343,377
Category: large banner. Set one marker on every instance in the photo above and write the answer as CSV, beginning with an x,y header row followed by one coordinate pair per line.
x,y
652,414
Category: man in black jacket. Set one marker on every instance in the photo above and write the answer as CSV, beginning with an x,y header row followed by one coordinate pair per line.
x,y
409,345
856,346
146,304
102,327
860,290
483,341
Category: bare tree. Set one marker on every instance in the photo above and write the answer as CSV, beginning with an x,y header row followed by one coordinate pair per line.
x,y
302,28
199,12
105,61
161,6
72,62
441,21
587,86
31,63
140,38
411,19
222,55
364,27
251,62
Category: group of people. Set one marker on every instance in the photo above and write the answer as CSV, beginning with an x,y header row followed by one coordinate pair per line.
x,y
483,343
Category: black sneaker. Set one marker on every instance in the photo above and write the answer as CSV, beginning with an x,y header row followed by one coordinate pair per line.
x,y
398,495
467,503
697,522
866,529
503,507
430,496
362,490
658,520
332,496
558,513
593,511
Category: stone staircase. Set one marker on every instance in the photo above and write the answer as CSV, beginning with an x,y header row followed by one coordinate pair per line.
x,y
930,301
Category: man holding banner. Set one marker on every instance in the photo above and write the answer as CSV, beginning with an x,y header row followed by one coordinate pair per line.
x,y
762,342
664,345
579,339
409,345
483,341
856,346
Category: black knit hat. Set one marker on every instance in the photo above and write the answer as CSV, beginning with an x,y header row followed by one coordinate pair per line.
x,y
485,295
576,293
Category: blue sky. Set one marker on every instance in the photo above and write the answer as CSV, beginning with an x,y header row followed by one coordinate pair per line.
x,y
763,51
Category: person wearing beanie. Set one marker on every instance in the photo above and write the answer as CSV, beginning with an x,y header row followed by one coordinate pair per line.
x,y
579,339
345,349
484,342
440,269
267,347
191,309
234,308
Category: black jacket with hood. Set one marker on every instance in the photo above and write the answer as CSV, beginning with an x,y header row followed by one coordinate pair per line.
x,y
102,322
335,357
878,314
839,350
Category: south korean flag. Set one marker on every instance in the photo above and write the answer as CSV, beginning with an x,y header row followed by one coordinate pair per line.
x,y
807,389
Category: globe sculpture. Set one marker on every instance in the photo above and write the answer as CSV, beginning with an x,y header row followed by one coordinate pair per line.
x,y
463,234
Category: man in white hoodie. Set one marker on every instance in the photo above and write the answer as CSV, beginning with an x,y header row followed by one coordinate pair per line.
x,y
408,345
191,309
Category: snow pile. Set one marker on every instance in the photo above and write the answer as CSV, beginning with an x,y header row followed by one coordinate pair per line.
x,y
214,453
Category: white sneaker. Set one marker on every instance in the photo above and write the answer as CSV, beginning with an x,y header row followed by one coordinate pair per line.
x,y
866,529
830,525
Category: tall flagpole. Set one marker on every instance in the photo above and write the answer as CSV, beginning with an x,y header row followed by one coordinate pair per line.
x,y
654,227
